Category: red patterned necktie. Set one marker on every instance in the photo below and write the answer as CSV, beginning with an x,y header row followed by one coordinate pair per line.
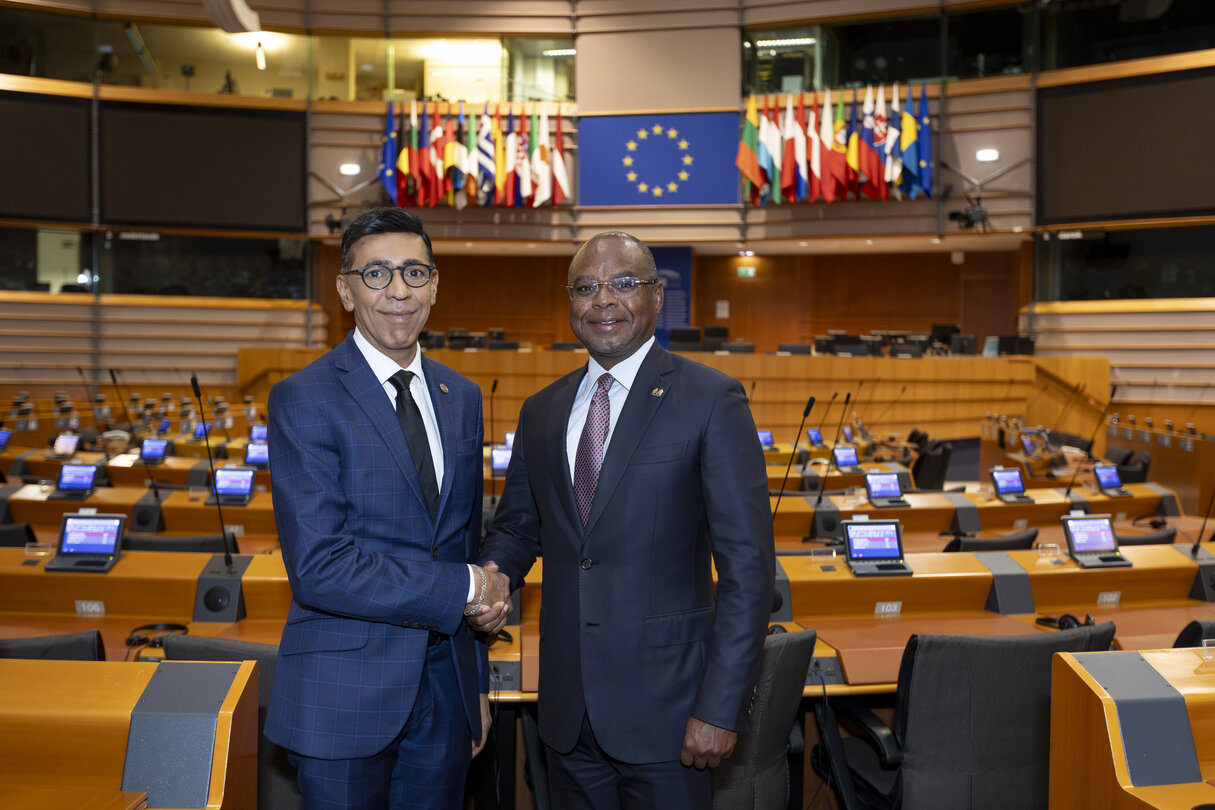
x,y
589,459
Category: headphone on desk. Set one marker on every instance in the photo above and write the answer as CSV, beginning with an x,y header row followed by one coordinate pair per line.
x,y
137,636
1065,622
1155,521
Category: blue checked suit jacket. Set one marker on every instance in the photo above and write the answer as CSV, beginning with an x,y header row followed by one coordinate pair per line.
x,y
632,631
370,571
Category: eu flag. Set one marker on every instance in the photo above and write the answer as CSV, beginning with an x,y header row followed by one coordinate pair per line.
x,y
658,159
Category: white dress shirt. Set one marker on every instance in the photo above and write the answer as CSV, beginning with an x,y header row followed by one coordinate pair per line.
x,y
623,374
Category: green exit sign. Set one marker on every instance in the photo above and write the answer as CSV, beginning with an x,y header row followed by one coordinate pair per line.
x,y
746,271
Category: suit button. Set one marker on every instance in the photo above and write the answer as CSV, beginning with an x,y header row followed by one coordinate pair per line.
x,y
586,564
435,554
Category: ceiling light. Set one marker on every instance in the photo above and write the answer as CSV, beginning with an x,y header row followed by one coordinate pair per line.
x,y
785,43
349,169
746,253
987,155
560,52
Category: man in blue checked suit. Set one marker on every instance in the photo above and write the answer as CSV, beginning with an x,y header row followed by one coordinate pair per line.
x,y
635,476
381,686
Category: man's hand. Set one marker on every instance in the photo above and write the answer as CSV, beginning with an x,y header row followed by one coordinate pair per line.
x,y
491,616
705,745
479,745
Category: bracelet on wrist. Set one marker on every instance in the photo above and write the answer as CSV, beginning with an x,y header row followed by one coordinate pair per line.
x,y
481,598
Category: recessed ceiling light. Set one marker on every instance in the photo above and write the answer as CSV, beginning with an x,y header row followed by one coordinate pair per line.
x,y
987,155
560,52
349,169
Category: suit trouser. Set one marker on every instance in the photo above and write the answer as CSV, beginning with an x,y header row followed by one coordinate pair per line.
x,y
586,778
424,767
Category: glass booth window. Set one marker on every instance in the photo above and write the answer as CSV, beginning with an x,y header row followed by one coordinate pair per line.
x,y
48,260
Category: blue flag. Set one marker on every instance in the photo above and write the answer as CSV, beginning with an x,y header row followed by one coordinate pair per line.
x,y
925,141
386,171
658,159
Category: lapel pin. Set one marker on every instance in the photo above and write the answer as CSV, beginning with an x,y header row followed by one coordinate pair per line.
x,y
657,392
443,387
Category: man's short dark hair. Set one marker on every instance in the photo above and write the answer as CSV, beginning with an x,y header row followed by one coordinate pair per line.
x,y
383,220
646,254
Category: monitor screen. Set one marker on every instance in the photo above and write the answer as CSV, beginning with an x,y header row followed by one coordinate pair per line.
x,y
65,444
257,453
164,426
5,435
153,449
77,476
233,481
883,485
510,438
258,433
1028,444
1090,533
202,429
499,458
1107,477
814,435
90,534
873,539
845,456
765,437
1007,482
847,433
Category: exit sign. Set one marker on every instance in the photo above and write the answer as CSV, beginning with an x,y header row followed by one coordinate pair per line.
x,y
746,271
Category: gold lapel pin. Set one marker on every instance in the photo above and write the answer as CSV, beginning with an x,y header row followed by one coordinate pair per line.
x,y
657,392
443,387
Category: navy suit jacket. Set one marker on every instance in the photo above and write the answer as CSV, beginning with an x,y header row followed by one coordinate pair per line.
x,y
370,571
631,632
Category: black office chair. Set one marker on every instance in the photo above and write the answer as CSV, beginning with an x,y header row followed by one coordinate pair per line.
x,y
931,466
84,646
16,535
737,347
565,345
1017,541
210,543
715,337
1193,634
504,345
756,776
276,786
1118,455
916,436
1064,439
972,725
1136,470
795,348
1161,537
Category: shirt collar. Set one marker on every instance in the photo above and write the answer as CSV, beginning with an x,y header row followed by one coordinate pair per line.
x,y
624,372
383,366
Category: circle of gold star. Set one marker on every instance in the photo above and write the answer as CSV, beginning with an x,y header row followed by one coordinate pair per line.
x,y
663,186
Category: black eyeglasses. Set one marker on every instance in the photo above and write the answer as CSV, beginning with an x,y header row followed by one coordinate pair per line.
x,y
379,276
622,287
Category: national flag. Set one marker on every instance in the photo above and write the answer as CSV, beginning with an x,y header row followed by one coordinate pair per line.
x,y
437,183
405,184
523,172
747,159
853,152
542,168
760,193
924,137
831,156
499,158
386,171
422,163
894,148
839,145
485,159
908,141
776,147
512,152
814,152
788,174
868,158
415,162
561,177
799,153
455,160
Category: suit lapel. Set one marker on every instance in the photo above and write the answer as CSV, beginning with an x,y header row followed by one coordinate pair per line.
x,y
639,408
446,418
359,381
558,458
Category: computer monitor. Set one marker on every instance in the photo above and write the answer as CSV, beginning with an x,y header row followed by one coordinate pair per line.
x,y
76,477
873,539
65,445
815,435
765,438
258,433
883,485
1007,481
1107,476
845,457
1089,534
5,435
847,433
499,459
1027,444
233,486
163,427
202,429
88,543
510,438
257,453
153,450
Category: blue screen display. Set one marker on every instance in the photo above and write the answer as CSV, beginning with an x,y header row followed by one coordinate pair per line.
x,y
845,456
873,541
765,437
153,449
500,458
202,429
847,433
5,435
1091,534
164,426
233,482
814,435
883,485
90,535
257,453
1007,482
1107,477
510,438
258,433
77,476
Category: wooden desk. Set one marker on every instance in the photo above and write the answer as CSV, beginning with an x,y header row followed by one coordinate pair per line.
x,y
835,479
189,512
1095,764
48,798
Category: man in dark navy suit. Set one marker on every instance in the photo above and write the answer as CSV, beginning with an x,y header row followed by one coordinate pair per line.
x,y
632,475
375,458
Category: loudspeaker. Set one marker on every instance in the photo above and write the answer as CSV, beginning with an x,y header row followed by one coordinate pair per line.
x,y
218,596
146,515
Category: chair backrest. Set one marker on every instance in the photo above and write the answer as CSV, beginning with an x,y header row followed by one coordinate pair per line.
x,y
1135,471
756,776
1010,542
1194,632
1161,537
973,717
16,535
1117,455
931,466
276,785
84,646
210,543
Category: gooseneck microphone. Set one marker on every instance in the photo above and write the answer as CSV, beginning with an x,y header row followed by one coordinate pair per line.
x,y
834,442
223,527
1071,400
1201,529
889,405
493,495
1092,438
789,466
147,468
831,402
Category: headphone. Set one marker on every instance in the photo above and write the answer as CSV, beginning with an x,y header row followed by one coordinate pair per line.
x,y
1155,521
137,636
1065,622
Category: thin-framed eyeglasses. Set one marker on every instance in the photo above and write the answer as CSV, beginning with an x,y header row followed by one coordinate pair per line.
x,y
622,287
379,276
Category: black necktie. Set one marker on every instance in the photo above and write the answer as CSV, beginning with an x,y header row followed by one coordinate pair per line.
x,y
415,436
